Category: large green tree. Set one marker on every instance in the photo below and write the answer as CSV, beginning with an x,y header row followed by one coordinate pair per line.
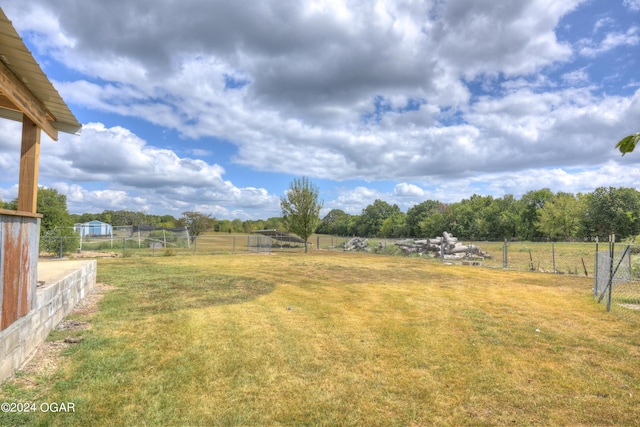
x,y
531,203
56,227
467,219
197,223
434,225
560,218
273,223
395,225
337,222
501,218
224,226
236,226
613,210
301,208
420,212
373,216
53,207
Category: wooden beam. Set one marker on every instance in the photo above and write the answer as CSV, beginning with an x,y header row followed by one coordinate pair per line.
x,y
6,103
29,163
21,96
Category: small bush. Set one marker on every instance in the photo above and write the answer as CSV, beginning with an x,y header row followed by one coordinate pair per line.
x,y
59,241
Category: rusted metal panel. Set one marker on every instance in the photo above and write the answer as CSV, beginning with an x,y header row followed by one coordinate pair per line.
x,y
24,276
33,252
17,268
1,265
11,270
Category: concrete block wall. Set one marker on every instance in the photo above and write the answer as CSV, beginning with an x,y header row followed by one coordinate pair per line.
x,y
54,301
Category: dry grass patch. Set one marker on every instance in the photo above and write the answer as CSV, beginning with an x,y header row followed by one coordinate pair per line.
x,y
345,339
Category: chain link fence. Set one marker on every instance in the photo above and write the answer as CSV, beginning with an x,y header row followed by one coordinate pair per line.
x,y
164,243
615,268
575,258
617,279
113,240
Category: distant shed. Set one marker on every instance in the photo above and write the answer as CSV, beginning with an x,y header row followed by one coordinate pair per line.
x,y
93,228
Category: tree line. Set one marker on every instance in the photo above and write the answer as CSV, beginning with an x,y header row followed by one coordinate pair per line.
x,y
537,216
53,206
127,218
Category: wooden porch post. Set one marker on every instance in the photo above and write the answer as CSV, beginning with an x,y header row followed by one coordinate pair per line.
x,y
29,163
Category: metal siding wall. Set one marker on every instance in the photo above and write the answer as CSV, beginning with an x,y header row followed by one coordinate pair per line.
x,y
2,251
34,253
20,238
11,271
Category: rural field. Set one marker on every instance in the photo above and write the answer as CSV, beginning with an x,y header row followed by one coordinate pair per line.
x,y
576,258
333,338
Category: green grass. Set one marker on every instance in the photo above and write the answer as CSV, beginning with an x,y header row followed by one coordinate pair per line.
x,y
341,339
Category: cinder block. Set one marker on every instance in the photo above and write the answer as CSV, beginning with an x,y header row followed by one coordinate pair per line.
x,y
6,368
39,299
18,356
31,344
35,319
47,294
42,334
57,318
10,339
48,325
24,323
44,314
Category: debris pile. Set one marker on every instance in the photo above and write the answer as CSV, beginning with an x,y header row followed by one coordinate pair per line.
x,y
446,246
356,244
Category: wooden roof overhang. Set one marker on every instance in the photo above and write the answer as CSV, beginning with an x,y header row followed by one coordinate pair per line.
x,y
27,96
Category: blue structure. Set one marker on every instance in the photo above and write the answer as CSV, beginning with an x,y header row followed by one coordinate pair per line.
x,y
94,228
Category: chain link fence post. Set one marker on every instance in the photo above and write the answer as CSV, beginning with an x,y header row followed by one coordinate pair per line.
x,y
505,255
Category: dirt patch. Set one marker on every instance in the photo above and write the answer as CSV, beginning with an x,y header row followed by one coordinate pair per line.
x,y
48,357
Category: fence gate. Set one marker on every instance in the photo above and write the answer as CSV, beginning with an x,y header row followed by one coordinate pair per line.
x,y
260,244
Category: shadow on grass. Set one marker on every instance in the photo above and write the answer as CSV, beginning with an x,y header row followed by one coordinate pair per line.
x,y
177,293
161,288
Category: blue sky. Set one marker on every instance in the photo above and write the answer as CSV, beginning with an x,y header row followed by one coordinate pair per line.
x,y
216,106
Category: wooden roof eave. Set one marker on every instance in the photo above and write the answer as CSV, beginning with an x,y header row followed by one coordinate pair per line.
x,y
24,83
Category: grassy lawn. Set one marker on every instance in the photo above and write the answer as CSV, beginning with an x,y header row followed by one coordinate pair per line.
x,y
340,339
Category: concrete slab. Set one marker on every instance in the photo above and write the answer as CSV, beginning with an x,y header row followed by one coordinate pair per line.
x,y
52,271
